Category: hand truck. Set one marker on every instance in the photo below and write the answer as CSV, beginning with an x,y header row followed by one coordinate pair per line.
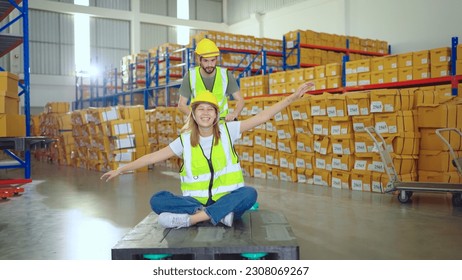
x,y
406,189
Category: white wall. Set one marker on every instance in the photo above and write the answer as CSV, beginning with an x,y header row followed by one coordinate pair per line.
x,y
408,25
51,89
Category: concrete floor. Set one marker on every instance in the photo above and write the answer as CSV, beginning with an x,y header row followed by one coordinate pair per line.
x,y
68,213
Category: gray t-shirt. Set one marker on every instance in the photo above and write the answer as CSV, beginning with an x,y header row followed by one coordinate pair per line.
x,y
185,88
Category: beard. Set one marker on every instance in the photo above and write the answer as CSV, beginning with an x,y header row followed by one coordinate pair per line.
x,y
208,70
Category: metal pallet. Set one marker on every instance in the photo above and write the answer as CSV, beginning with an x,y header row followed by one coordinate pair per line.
x,y
259,232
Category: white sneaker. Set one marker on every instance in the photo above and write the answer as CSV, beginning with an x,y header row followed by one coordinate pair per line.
x,y
173,220
228,219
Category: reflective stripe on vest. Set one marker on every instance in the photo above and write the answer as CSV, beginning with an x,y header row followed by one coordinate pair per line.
x,y
219,86
196,174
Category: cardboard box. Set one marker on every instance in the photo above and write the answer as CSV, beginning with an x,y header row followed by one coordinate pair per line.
x,y
358,103
364,79
272,172
363,145
405,74
390,62
305,143
323,161
351,80
340,180
359,123
318,105
438,177
440,70
439,116
286,146
377,64
361,180
440,56
300,109
390,76
405,60
421,72
321,125
8,84
420,58
437,161
57,107
322,177
336,105
308,73
405,164
459,66
320,83
363,65
304,160
343,162
12,125
287,175
321,144
343,146
377,77
341,127
320,72
259,155
385,100
287,160
335,82
259,170
271,157
431,141
335,69
407,143
351,67
9,105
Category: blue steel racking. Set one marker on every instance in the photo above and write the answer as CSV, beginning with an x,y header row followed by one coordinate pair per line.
x,y
7,44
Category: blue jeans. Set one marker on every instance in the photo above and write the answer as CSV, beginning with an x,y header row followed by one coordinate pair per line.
x,y
237,201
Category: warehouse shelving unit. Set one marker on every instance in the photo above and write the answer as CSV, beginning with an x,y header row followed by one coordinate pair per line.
x,y
168,57
296,45
8,43
452,79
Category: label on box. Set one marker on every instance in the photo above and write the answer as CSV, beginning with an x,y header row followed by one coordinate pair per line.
x,y
337,149
360,147
381,127
300,163
317,129
335,130
357,185
315,110
360,164
376,107
358,127
331,111
296,115
336,183
340,113
320,163
353,110
389,108
336,163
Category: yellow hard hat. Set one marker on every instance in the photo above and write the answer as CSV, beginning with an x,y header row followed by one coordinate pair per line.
x,y
207,48
205,96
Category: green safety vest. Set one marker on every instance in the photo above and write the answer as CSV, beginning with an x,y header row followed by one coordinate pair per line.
x,y
202,179
219,86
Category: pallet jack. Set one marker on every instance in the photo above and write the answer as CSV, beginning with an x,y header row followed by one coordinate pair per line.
x,y
12,187
406,189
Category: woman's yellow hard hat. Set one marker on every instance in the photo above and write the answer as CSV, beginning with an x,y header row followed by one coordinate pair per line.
x,y
205,96
207,48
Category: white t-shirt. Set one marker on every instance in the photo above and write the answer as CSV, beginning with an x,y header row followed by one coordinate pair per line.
x,y
206,142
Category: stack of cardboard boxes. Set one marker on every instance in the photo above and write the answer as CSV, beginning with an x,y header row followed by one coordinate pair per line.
x,y
12,124
424,64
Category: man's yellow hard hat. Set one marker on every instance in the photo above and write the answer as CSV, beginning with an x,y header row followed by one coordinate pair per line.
x,y
205,96
207,48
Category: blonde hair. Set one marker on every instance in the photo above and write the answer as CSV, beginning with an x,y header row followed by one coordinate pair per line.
x,y
192,127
